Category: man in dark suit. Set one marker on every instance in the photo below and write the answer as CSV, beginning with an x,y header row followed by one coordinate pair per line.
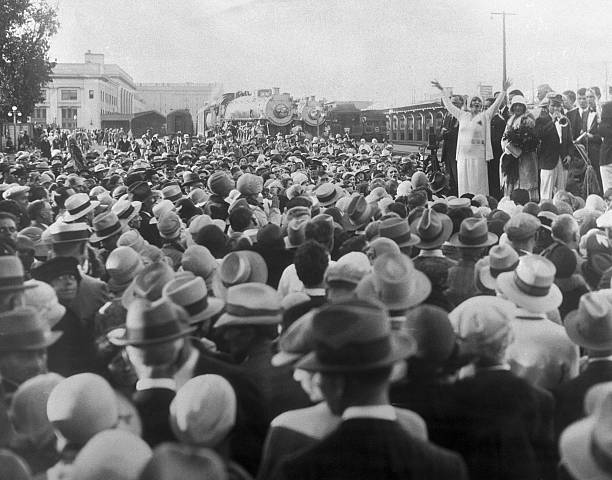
x,y
576,115
605,155
354,353
164,359
590,326
554,152
498,127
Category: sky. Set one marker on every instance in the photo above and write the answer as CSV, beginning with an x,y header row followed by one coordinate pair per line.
x,y
385,51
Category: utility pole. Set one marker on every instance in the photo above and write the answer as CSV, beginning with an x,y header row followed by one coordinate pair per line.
x,y
504,14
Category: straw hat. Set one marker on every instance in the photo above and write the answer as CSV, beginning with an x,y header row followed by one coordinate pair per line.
x,y
12,275
126,210
239,267
251,304
398,230
105,225
190,292
122,265
433,229
23,329
501,258
43,298
531,285
77,206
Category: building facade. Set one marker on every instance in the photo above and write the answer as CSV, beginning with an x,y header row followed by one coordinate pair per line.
x,y
81,95
166,97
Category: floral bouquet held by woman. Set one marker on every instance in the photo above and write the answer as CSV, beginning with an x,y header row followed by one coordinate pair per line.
x,y
519,141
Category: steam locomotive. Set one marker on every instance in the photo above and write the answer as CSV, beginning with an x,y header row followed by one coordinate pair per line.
x,y
270,112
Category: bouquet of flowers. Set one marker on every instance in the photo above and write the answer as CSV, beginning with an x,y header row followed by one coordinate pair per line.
x,y
523,139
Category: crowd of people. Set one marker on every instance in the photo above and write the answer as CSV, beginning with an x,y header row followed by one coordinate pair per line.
x,y
285,307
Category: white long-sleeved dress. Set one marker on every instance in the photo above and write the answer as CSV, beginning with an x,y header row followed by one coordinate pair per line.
x,y
473,147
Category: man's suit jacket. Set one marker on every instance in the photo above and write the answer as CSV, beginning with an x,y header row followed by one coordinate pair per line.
x,y
368,448
605,131
550,149
503,427
248,434
575,121
569,396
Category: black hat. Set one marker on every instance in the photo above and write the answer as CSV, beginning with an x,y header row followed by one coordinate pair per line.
x,y
55,268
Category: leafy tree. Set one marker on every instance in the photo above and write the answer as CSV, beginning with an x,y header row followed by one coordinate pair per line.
x,y
26,26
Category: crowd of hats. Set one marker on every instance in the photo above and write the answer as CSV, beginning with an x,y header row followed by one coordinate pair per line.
x,y
389,298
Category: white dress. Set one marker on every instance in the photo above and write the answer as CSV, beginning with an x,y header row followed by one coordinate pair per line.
x,y
473,147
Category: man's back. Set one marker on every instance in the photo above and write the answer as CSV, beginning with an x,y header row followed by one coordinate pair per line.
x,y
367,448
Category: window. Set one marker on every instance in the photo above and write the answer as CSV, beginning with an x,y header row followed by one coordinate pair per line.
x,y
91,94
39,115
69,95
68,118
402,128
45,95
418,128
410,128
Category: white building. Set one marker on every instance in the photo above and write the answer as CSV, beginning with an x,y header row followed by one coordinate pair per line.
x,y
83,95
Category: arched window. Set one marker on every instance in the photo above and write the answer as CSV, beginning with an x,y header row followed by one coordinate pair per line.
x,y
418,127
402,128
395,128
410,128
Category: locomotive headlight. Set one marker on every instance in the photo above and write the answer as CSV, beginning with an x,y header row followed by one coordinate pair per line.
x,y
281,111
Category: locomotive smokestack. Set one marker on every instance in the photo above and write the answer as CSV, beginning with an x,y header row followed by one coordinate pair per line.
x,y
276,90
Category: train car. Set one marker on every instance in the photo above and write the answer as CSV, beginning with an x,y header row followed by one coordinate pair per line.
x,y
346,118
151,119
310,116
411,124
271,109
179,121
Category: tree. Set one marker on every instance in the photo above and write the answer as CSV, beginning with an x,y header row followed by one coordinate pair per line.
x,y
26,26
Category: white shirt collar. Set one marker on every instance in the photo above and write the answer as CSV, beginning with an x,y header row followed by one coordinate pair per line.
x,y
436,252
380,412
600,359
314,292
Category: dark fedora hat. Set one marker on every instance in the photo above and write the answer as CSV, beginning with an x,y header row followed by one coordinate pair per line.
x,y
55,268
149,323
354,336
140,191
473,233
433,229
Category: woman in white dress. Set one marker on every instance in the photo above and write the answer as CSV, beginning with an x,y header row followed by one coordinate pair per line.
x,y
474,142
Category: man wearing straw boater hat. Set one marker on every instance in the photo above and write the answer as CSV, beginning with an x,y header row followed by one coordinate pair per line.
x,y
541,352
354,351
156,341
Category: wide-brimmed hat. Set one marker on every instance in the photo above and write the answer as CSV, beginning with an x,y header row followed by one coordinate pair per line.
x,y
23,329
530,285
149,323
148,284
43,298
105,225
122,265
239,267
15,190
126,210
190,292
77,206
189,178
296,232
395,282
56,267
358,212
69,232
296,341
590,326
354,336
398,230
501,258
12,275
251,304
203,412
433,229
140,191
473,233
327,194
586,445
172,192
